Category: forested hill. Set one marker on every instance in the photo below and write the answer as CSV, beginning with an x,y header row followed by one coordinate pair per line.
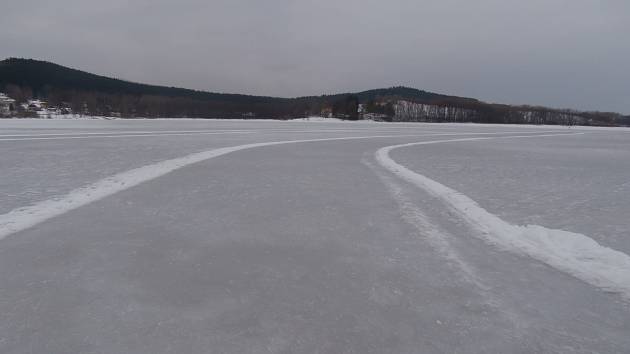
x,y
41,76
400,92
95,94
83,93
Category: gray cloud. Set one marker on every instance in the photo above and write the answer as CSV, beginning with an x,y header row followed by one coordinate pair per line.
x,y
561,53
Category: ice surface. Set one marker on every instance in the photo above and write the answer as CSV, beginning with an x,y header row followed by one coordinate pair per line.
x,y
301,247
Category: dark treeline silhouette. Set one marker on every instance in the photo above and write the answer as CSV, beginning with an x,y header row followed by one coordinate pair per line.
x,y
479,112
88,94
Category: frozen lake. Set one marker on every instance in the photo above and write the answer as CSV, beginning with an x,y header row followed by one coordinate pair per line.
x,y
189,236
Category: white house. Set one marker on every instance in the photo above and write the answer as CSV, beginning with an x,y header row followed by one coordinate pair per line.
x,y
7,105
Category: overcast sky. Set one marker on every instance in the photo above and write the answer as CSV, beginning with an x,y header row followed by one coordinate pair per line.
x,y
560,53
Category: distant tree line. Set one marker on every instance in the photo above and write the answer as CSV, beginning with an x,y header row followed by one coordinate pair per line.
x,y
88,94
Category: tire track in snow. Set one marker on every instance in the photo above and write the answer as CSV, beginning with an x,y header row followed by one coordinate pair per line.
x,y
80,136
120,132
439,240
25,217
133,134
569,252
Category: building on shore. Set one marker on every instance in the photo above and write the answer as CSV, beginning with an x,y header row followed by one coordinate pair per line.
x,y
7,106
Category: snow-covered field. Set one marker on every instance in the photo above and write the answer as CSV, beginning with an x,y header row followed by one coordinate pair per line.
x,y
176,236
